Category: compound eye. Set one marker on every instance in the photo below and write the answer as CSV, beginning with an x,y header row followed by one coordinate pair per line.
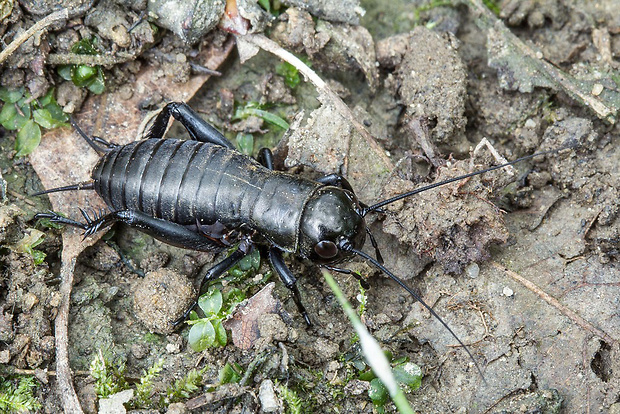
x,y
326,249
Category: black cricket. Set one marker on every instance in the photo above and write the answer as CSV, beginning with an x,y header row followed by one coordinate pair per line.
x,y
202,194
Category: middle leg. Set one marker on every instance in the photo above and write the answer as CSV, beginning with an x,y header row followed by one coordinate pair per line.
x,y
215,272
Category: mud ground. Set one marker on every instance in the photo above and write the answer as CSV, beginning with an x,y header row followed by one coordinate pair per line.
x,y
522,266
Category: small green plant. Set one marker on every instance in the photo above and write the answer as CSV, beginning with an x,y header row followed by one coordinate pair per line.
x,y
16,395
109,375
183,388
247,266
253,108
362,298
407,374
289,73
84,76
294,404
493,6
27,116
230,374
110,378
245,143
32,238
144,389
272,6
208,331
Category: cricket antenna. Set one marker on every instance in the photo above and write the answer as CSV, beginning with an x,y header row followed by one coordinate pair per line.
x,y
417,297
380,204
87,185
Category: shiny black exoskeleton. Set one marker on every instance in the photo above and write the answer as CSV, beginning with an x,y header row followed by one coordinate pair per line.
x,y
202,194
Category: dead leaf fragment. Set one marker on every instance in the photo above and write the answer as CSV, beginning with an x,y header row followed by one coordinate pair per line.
x,y
245,321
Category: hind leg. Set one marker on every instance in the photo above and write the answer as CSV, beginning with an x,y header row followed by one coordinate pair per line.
x,y
94,141
166,231
198,128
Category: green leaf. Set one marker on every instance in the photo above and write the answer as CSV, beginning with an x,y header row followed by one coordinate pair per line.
x,y
16,116
251,261
252,108
245,264
377,392
268,117
57,113
245,143
254,259
265,4
211,302
47,99
233,297
193,316
408,374
220,333
44,118
81,75
38,256
85,47
366,375
11,96
45,222
289,73
230,374
64,71
28,138
97,86
201,335
7,116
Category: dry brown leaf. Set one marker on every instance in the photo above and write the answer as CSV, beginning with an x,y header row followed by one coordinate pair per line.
x,y
244,323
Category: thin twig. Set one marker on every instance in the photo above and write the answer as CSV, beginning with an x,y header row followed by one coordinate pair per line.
x,y
498,157
67,393
556,304
321,86
21,371
89,60
36,28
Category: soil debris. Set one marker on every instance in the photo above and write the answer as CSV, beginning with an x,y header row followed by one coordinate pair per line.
x,y
161,298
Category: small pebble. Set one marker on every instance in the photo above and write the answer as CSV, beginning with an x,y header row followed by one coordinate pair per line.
x,y
507,292
597,89
473,270
267,397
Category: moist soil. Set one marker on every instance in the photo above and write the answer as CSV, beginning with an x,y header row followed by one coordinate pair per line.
x,y
522,265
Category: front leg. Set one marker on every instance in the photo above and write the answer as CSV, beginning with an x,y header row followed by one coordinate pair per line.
x,y
166,231
198,128
277,262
